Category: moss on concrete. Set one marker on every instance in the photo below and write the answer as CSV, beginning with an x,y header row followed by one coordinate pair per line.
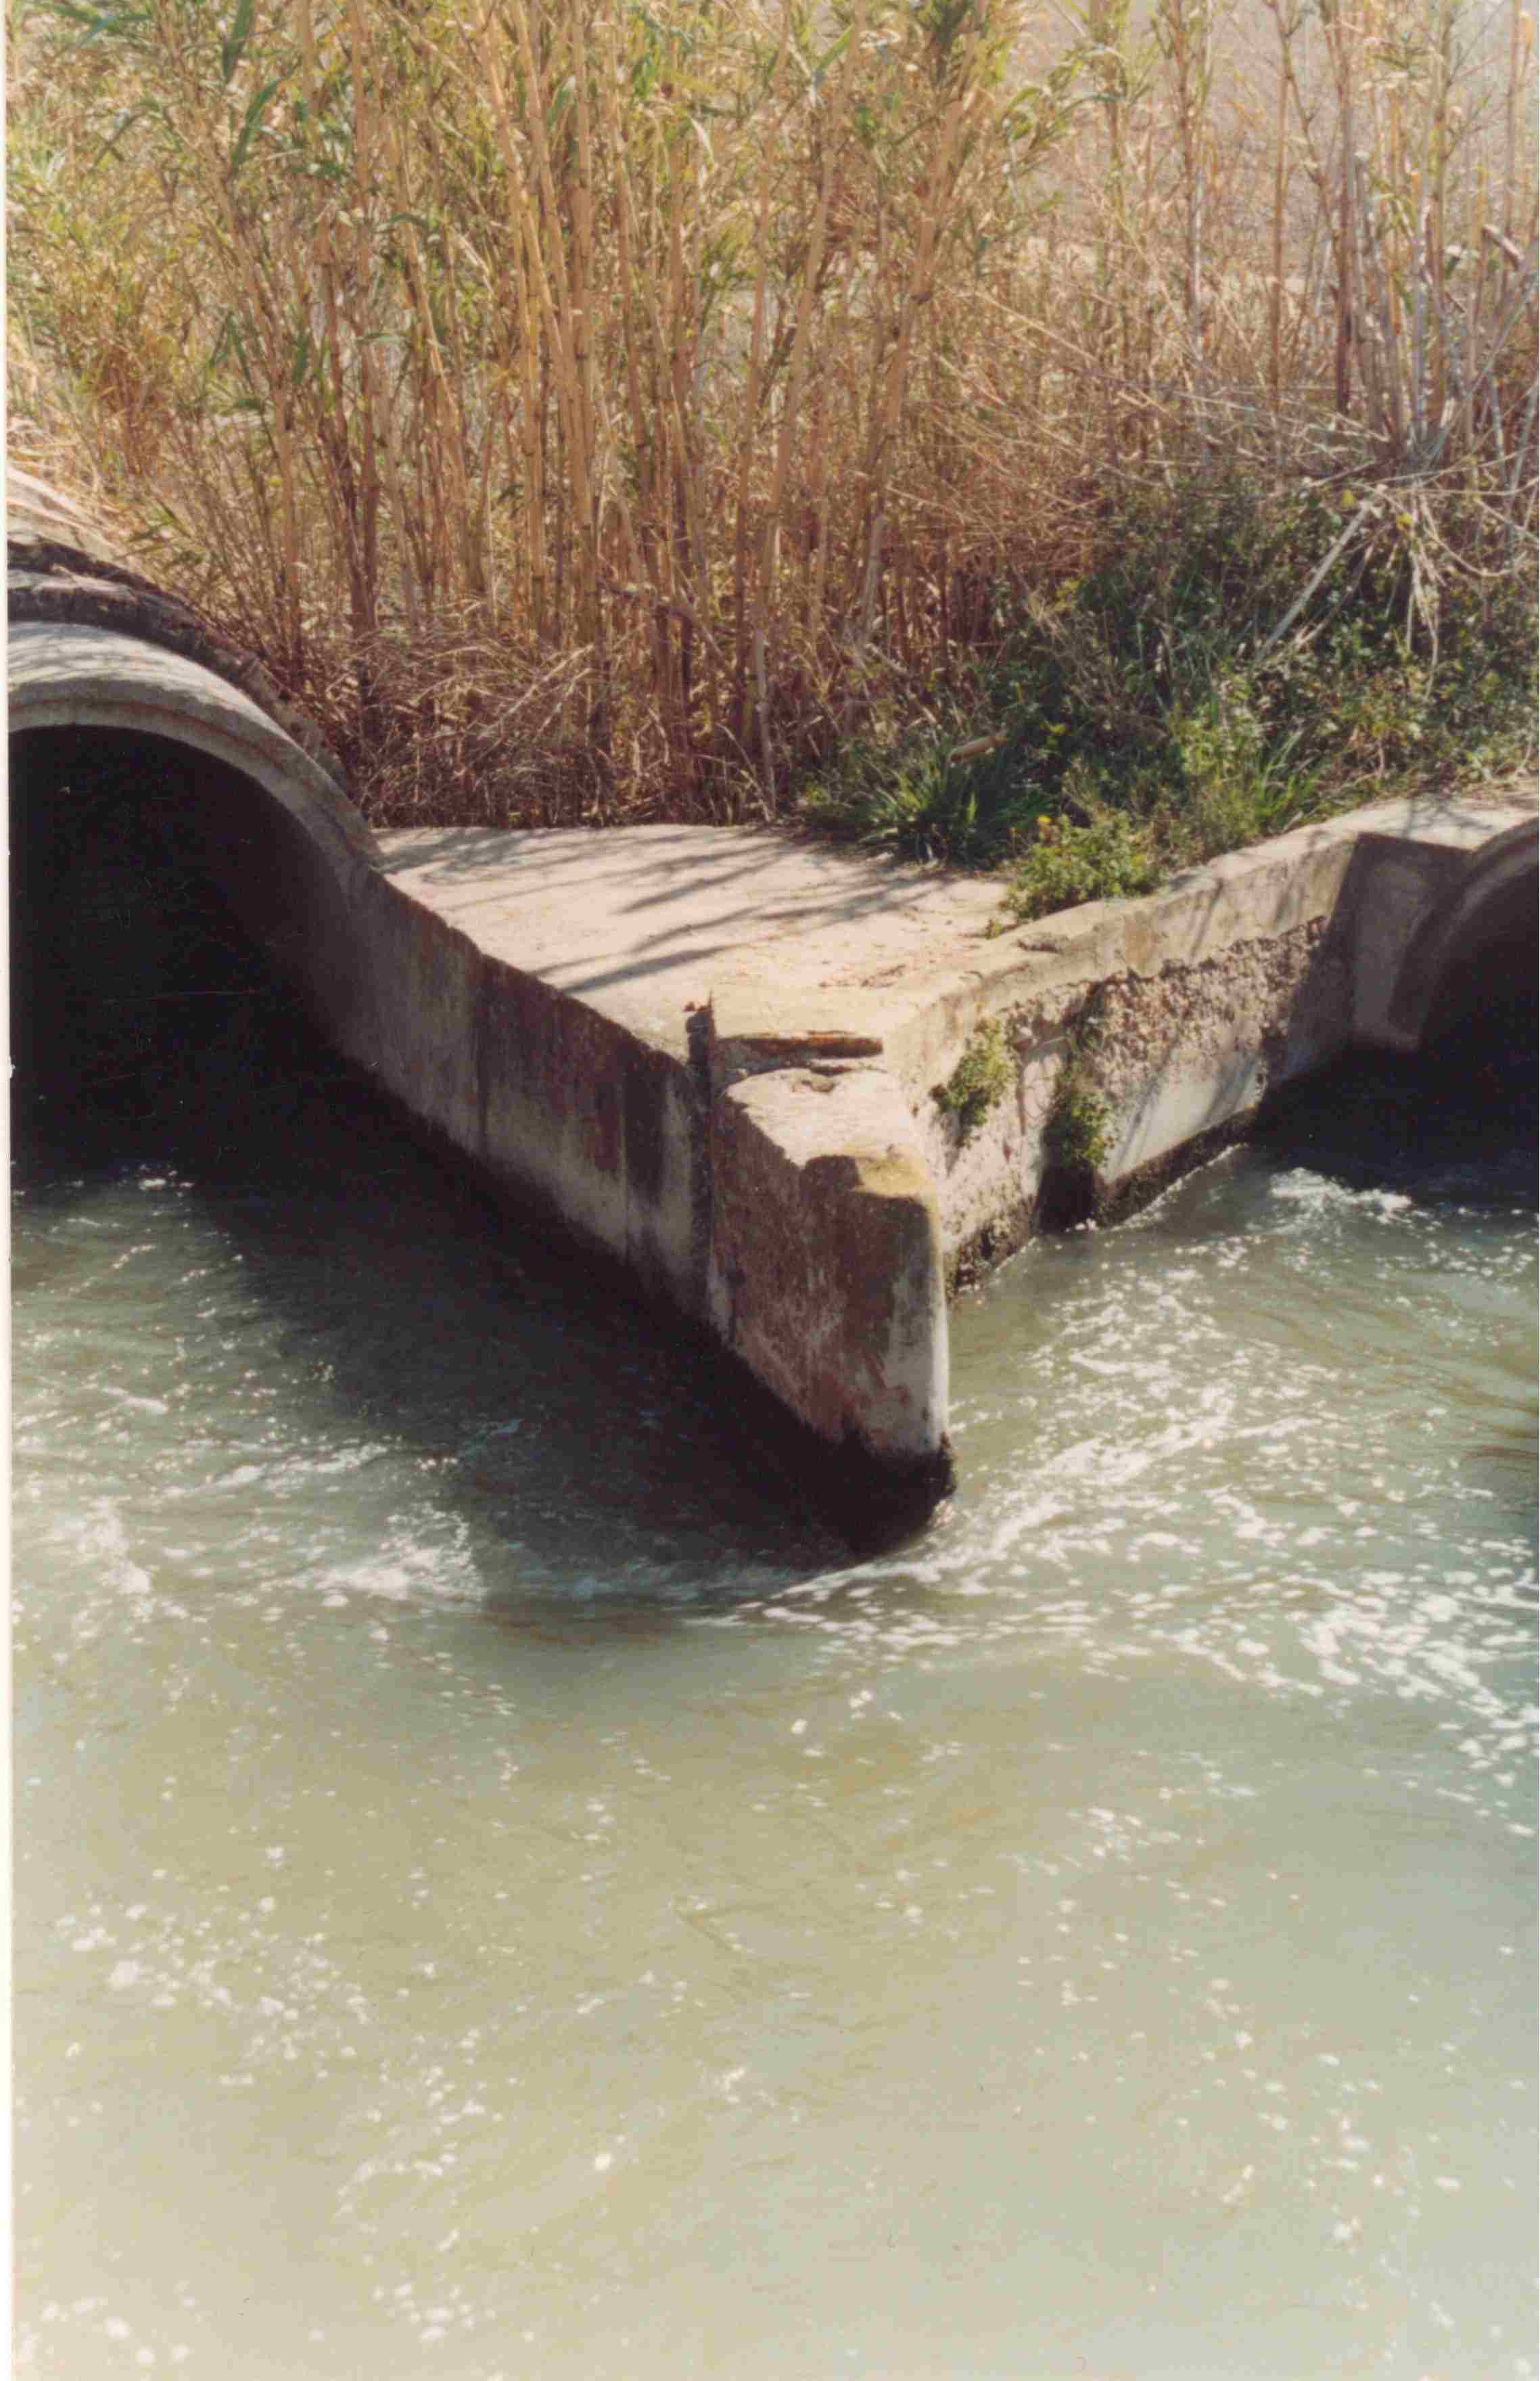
x,y
979,1082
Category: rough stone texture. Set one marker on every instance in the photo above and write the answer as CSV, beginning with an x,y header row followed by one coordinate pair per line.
x,y
1193,1047
1203,999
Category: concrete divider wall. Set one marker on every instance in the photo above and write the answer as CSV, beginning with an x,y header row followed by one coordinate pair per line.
x,y
1181,1012
775,1194
825,1272
771,1158
714,1054
556,1101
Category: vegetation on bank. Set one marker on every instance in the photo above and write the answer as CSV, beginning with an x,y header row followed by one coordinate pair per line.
x,y
1237,662
1085,448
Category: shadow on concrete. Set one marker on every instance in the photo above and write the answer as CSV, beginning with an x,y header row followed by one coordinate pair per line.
x,y
753,885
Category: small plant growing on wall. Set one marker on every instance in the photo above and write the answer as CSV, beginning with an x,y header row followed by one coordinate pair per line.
x,y
979,1082
1075,1137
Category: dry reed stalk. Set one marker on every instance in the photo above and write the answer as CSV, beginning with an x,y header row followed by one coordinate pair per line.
x,y
764,612
1184,29
1280,201
917,292
1436,155
699,655
537,313
568,354
746,436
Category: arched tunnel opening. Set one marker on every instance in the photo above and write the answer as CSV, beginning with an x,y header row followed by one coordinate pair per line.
x,y
146,880
1482,1036
1454,1108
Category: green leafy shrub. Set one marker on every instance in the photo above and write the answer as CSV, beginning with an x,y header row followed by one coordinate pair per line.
x,y
913,796
1107,861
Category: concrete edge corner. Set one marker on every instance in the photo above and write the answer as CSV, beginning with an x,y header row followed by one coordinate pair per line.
x,y
825,1272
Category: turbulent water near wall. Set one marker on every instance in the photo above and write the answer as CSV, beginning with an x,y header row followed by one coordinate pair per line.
x,y
500,1894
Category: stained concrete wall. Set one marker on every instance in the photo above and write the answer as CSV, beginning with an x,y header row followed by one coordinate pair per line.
x,y
1180,1013
772,1190
824,1267
749,1120
555,1100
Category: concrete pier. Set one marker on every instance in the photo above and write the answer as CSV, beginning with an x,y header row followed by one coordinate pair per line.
x,y
715,1053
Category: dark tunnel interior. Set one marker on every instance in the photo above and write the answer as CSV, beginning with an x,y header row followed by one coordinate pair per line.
x,y
140,1003
1485,1012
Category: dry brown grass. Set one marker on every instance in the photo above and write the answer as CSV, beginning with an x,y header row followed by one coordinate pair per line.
x,y
591,413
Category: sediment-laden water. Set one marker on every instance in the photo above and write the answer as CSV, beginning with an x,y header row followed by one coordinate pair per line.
x,y
499,1893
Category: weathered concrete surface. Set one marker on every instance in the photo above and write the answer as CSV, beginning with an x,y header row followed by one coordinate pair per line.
x,y
713,1053
615,1026
823,1209
1184,1010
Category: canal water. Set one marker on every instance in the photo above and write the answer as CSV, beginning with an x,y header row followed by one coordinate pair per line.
x,y
501,1893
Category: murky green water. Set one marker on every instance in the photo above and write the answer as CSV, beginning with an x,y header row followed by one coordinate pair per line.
x,y
498,1896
